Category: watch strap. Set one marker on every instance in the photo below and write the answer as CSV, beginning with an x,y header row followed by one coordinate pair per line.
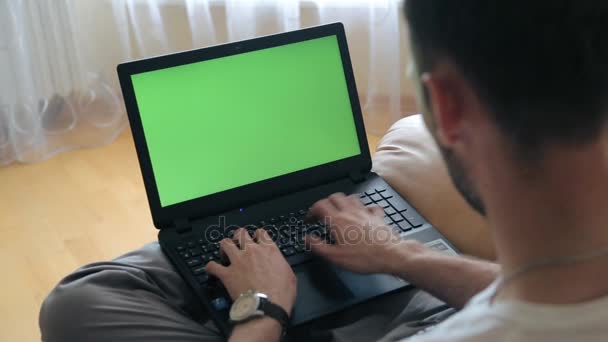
x,y
274,311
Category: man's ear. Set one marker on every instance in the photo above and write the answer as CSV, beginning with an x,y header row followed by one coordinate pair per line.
x,y
446,101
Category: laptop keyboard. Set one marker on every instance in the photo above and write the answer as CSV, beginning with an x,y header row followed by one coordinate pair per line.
x,y
288,232
400,218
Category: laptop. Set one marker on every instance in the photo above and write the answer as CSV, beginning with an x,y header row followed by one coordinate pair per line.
x,y
251,134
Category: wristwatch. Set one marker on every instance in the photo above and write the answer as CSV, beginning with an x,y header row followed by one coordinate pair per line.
x,y
251,304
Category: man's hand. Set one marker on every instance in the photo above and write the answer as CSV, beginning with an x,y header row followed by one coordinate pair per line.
x,y
256,265
364,244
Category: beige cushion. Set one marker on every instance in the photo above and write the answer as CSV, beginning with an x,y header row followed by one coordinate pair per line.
x,y
408,159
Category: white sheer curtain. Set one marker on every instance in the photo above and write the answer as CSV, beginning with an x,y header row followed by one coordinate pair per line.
x,y
58,88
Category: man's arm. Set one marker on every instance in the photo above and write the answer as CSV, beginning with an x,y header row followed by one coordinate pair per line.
x,y
258,265
258,330
365,244
453,279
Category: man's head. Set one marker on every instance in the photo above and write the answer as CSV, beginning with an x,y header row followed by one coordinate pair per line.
x,y
520,75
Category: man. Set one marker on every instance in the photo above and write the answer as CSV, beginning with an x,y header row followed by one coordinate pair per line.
x,y
516,96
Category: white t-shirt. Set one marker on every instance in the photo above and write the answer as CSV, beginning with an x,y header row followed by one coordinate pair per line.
x,y
519,321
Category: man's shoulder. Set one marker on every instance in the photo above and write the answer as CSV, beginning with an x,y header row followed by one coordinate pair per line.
x,y
520,321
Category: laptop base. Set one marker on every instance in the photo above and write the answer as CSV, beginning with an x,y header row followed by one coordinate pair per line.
x,y
323,289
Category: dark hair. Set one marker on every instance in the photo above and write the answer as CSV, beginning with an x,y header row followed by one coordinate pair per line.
x,y
541,67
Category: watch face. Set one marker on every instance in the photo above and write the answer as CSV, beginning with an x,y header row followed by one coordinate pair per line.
x,y
244,307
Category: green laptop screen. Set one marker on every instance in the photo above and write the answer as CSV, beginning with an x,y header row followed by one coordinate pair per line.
x,y
223,123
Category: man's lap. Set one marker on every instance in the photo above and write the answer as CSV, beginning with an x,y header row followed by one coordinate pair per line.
x,y
137,297
140,297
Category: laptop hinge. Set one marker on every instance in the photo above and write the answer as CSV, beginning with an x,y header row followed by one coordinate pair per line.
x,y
183,225
358,176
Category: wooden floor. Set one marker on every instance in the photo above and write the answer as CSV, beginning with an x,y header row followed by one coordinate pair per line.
x,y
76,208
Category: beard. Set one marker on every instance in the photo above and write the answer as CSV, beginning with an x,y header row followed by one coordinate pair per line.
x,y
457,172
461,180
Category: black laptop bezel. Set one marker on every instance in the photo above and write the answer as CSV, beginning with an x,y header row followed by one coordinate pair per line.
x,y
165,217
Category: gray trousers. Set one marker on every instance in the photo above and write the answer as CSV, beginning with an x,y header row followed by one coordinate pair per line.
x,y
140,297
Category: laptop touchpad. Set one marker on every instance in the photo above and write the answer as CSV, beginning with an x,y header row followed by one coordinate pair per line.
x,y
324,278
320,290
